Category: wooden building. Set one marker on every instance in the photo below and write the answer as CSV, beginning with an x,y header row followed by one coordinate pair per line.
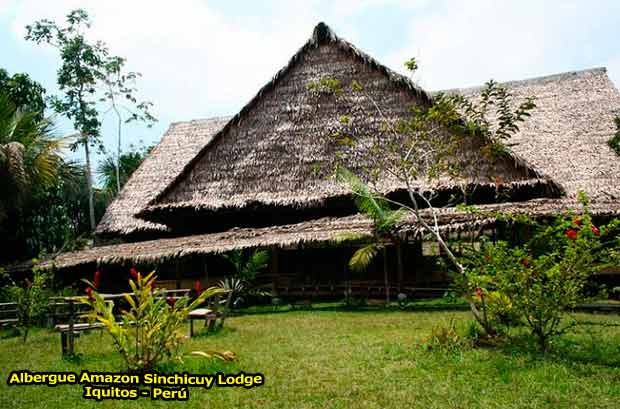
x,y
251,180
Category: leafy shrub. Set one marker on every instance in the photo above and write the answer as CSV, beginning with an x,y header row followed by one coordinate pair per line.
x,y
535,282
31,298
151,330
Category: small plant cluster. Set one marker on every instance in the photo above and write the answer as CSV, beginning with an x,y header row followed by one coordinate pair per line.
x,y
614,142
31,297
151,330
535,282
242,283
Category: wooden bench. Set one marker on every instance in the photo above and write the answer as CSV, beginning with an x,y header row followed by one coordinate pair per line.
x,y
8,314
71,308
214,314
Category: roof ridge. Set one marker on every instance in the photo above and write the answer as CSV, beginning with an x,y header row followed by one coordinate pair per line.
x,y
566,75
211,118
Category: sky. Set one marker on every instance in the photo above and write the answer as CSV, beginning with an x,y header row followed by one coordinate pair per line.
x,y
202,58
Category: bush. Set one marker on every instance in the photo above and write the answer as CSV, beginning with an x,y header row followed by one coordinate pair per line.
x,y
31,298
151,330
535,282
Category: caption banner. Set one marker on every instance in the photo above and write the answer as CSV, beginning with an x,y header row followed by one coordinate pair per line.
x,y
113,385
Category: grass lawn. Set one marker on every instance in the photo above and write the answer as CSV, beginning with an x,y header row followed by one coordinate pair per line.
x,y
339,359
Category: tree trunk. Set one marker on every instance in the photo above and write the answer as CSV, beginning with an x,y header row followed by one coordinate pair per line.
x,y
89,182
118,154
385,276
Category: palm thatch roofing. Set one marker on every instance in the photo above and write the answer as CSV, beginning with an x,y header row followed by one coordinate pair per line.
x,y
327,229
178,146
275,151
566,136
221,162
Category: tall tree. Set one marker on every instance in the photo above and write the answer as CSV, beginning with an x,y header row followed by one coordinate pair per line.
x,y
87,76
119,93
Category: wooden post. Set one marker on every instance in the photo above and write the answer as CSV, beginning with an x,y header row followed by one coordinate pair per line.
x,y
275,270
177,273
71,324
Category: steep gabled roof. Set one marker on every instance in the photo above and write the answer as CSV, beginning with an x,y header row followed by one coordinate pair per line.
x,y
178,146
566,136
269,153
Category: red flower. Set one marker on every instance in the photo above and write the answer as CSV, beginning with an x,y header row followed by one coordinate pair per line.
x,y
577,222
134,273
571,234
487,258
97,279
525,262
89,293
198,287
153,285
171,300
595,230
479,292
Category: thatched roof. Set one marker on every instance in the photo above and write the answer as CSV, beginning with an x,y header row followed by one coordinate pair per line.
x,y
566,136
178,146
315,231
564,139
276,152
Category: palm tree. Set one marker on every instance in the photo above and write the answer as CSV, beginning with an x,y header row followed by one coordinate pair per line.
x,y
30,156
385,221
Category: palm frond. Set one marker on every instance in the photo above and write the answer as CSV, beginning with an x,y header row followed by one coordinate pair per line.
x,y
363,257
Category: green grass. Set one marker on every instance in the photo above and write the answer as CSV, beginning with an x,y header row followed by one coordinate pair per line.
x,y
342,359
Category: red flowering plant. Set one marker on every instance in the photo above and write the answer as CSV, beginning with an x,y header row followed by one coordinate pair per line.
x,y
532,283
151,329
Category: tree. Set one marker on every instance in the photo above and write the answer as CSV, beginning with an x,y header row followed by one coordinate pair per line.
x,y
119,86
26,94
424,147
535,281
30,156
115,173
87,75
385,223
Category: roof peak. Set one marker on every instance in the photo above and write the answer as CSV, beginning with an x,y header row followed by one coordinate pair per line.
x,y
322,33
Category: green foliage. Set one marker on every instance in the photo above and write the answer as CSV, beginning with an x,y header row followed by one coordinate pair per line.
x,y
363,256
151,330
31,297
26,94
30,156
128,163
326,85
445,337
533,283
411,64
243,281
614,142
